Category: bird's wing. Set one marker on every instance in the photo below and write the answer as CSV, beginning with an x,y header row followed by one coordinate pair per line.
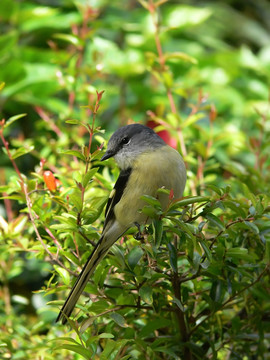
x,y
116,195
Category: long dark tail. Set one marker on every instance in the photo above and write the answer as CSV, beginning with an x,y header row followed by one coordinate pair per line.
x,y
94,259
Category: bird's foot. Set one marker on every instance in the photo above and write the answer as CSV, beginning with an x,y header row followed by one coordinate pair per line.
x,y
139,235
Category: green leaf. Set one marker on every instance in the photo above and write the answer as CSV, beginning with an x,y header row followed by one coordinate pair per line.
x,y
65,227
214,188
206,249
74,40
180,56
187,16
78,349
237,252
163,191
111,348
249,194
201,225
167,78
154,325
88,176
146,293
215,221
63,273
73,122
12,119
178,303
158,231
8,40
118,256
188,200
76,200
65,338
21,151
66,219
151,200
193,119
99,306
92,212
75,153
13,197
134,256
216,291
173,256
119,319
4,188
106,336
236,207
185,227
252,227
196,260
67,222
151,212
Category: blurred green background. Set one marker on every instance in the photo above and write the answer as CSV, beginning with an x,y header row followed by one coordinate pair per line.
x,y
54,55
198,69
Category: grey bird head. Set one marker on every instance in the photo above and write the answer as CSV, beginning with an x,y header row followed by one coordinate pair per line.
x,y
130,141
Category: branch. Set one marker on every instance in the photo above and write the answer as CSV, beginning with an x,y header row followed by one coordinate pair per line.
x,y
184,333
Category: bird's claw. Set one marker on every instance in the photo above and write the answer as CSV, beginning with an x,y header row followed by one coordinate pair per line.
x,y
139,235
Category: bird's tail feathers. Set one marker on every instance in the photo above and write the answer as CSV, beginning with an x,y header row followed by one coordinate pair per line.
x,y
96,256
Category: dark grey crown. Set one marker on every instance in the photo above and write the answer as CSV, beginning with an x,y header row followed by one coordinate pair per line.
x,y
139,133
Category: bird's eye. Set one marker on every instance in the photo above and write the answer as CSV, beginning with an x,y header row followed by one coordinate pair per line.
x,y
125,140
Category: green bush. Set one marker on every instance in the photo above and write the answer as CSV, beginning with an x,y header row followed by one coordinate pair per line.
x,y
197,285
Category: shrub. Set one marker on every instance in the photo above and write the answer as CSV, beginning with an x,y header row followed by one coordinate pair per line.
x,y
196,285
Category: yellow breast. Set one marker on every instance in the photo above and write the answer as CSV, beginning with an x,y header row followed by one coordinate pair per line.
x,y
162,167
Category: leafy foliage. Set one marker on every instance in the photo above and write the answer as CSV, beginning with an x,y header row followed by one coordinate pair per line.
x,y
196,285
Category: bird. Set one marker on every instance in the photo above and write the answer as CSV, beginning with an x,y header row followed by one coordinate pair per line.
x,y
146,164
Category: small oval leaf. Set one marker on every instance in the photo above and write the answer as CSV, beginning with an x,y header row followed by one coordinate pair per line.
x,y
134,256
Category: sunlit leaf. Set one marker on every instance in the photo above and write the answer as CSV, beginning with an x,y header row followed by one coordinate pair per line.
x,y
74,40
75,153
21,151
188,201
88,176
64,274
12,119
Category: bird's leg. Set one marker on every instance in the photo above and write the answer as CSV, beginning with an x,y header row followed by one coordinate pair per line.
x,y
139,235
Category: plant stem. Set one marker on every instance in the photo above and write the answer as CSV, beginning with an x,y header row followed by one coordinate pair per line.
x,y
180,316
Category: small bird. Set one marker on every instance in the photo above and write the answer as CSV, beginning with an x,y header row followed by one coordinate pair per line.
x,y
146,164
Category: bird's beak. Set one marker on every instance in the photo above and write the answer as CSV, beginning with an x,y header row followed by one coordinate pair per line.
x,y
108,154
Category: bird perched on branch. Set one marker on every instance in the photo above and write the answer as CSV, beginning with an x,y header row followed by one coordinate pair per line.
x,y
147,163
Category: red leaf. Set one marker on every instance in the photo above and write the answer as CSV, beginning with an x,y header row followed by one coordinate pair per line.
x,y
49,180
164,134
